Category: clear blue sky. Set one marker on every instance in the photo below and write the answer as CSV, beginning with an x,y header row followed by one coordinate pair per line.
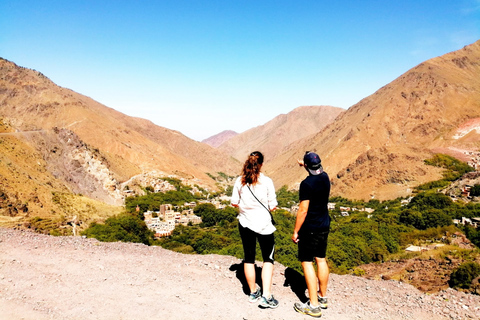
x,y
201,67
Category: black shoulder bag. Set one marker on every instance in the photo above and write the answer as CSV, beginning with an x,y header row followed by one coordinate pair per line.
x,y
273,221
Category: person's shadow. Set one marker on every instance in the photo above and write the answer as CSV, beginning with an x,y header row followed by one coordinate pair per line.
x,y
240,274
296,281
293,279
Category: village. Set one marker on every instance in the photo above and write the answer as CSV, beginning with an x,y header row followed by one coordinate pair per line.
x,y
164,221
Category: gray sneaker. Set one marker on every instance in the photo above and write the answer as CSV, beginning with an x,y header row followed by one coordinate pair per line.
x,y
268,303
307,309
254,296
322,301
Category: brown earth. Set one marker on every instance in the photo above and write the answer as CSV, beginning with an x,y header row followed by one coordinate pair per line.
x,y
428,275
46,277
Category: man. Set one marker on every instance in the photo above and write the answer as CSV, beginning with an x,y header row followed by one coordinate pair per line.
x,y
311,233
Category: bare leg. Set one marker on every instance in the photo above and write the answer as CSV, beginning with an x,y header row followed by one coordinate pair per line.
x,y
323,274
250,275
311,280
267,275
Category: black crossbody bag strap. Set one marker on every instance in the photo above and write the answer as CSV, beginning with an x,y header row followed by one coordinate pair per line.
x,y
271,215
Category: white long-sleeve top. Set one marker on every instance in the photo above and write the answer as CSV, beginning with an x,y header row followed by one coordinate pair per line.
x,y
252,214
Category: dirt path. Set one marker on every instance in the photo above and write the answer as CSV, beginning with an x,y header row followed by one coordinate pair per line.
x,y
45,277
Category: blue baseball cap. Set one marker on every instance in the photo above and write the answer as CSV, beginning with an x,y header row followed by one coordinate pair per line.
x,y
312,162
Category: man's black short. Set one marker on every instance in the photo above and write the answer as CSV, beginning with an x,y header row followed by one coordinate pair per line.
x,y
312,244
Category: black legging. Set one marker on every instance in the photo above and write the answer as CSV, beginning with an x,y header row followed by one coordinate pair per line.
x,y
249,241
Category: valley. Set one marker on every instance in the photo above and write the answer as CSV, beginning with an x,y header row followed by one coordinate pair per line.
x,y
67,161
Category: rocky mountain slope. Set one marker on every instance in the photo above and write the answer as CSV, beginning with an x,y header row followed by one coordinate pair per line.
x,y
281,131
60,141
216,140
37,179
377,147
45,277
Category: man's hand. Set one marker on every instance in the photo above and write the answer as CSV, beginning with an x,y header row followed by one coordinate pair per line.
x,y
295,237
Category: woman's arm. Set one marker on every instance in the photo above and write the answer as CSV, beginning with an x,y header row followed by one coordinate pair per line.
x,y
235,199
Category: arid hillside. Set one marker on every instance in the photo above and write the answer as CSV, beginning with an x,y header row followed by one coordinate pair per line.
x,y
377,147
272,137
33,182
55,140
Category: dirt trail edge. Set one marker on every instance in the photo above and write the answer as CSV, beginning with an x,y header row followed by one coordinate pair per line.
x,y
46,277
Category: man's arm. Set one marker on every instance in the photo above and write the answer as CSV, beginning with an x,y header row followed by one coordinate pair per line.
x,y
301,215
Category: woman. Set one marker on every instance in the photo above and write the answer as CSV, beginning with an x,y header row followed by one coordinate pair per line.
x,y
254,194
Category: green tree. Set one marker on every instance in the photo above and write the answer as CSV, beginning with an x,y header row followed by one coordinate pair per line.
x,y
436,218
207,212
455,168
428,200
475,190
286,198
473,235
462,276
125,227
412,218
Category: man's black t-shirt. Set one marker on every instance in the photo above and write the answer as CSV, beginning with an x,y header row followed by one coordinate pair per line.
x,y
316,188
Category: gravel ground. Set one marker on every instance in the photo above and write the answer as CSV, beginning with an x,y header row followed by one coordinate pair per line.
x,y
45,277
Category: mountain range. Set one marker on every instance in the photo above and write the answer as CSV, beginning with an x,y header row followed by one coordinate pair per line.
x,y
377,148
54,141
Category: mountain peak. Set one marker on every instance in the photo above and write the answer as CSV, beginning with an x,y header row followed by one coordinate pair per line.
x,y
216,140
278,133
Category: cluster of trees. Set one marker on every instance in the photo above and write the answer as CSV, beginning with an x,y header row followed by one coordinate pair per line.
x,y
124,227
463,276
454,169
472,234
212,216
475,190
286,198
